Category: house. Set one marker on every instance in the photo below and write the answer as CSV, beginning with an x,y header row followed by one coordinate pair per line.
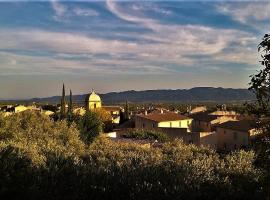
x,y
205,122
233,135
197,109
162,120
113,110
17,109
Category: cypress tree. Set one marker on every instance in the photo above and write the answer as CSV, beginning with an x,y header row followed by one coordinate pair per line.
x,y
63,104
126,111
70,106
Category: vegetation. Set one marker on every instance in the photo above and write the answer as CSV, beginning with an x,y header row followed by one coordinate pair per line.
x,y
45,159
70,107
146,134
40,158
260,85
90,126
63,104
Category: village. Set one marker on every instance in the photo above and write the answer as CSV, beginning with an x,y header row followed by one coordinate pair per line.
x,y
221,130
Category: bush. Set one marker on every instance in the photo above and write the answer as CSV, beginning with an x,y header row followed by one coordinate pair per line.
x,y
42,159
147,134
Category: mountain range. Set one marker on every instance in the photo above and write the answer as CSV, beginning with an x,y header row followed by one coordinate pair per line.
x,y
197,94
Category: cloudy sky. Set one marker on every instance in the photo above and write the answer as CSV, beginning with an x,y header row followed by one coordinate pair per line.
x,y
116,46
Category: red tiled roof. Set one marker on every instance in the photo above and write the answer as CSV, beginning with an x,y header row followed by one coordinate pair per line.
x,y
164,117
112,108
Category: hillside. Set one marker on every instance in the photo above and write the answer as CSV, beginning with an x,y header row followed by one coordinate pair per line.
x,y
197,94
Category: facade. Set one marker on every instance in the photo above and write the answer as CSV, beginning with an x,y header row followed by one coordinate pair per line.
x,y
233,135
162,120
92,101
204,122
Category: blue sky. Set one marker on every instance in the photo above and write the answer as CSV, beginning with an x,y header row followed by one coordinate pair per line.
x,y
124,45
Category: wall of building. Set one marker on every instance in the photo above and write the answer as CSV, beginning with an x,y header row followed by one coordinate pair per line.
x,y
145,123
20,109
176,124
208,139
94,105
202,126
231,139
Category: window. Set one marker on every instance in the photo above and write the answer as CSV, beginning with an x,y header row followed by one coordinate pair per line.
x,y
153,125
180,124
95,105
170,124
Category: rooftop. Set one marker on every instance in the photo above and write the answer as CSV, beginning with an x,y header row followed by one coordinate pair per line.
x,y
243,125
164,117
203,116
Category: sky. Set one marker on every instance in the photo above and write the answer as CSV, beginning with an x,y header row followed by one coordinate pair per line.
x,y
127,45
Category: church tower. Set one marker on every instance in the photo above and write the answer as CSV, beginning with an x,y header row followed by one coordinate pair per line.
x,y
92,101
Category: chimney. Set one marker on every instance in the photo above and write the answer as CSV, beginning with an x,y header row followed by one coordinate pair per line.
x,y
161,111
145,112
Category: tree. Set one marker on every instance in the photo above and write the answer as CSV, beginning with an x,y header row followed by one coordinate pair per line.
x,y
126,111
91,126
63,104
260,85
124,116
70,107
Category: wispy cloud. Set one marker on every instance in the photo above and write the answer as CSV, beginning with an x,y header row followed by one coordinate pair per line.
x,y
63,12
248,12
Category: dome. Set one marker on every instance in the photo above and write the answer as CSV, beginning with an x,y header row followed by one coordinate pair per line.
x,y
92,101
94,97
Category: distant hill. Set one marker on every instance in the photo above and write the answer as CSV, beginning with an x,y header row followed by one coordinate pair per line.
x,y
197,94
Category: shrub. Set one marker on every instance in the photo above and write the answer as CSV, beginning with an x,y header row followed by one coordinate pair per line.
x,y
146,134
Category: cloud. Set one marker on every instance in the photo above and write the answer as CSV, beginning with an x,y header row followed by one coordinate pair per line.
x,y
63,12
170,51
59,9
246,12
85,12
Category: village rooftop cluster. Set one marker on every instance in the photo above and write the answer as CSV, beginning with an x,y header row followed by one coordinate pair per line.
x,y
221,130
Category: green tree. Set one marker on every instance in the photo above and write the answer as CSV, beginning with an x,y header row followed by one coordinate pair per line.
x,y
63,104
260,85
91,126
126,111
124,116
70,107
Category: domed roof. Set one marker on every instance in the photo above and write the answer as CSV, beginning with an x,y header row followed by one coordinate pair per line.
x,y
93,97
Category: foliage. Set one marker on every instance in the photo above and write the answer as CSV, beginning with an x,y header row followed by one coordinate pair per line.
x,y
90,125
106,119
146,134
70,107
260,85
43,159
63,104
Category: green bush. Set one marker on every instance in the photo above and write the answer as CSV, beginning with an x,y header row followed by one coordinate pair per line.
x,y
42,159
146,134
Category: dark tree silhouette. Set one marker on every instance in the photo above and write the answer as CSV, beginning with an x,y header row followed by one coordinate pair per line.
x,y
63,104
260,85
70,106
